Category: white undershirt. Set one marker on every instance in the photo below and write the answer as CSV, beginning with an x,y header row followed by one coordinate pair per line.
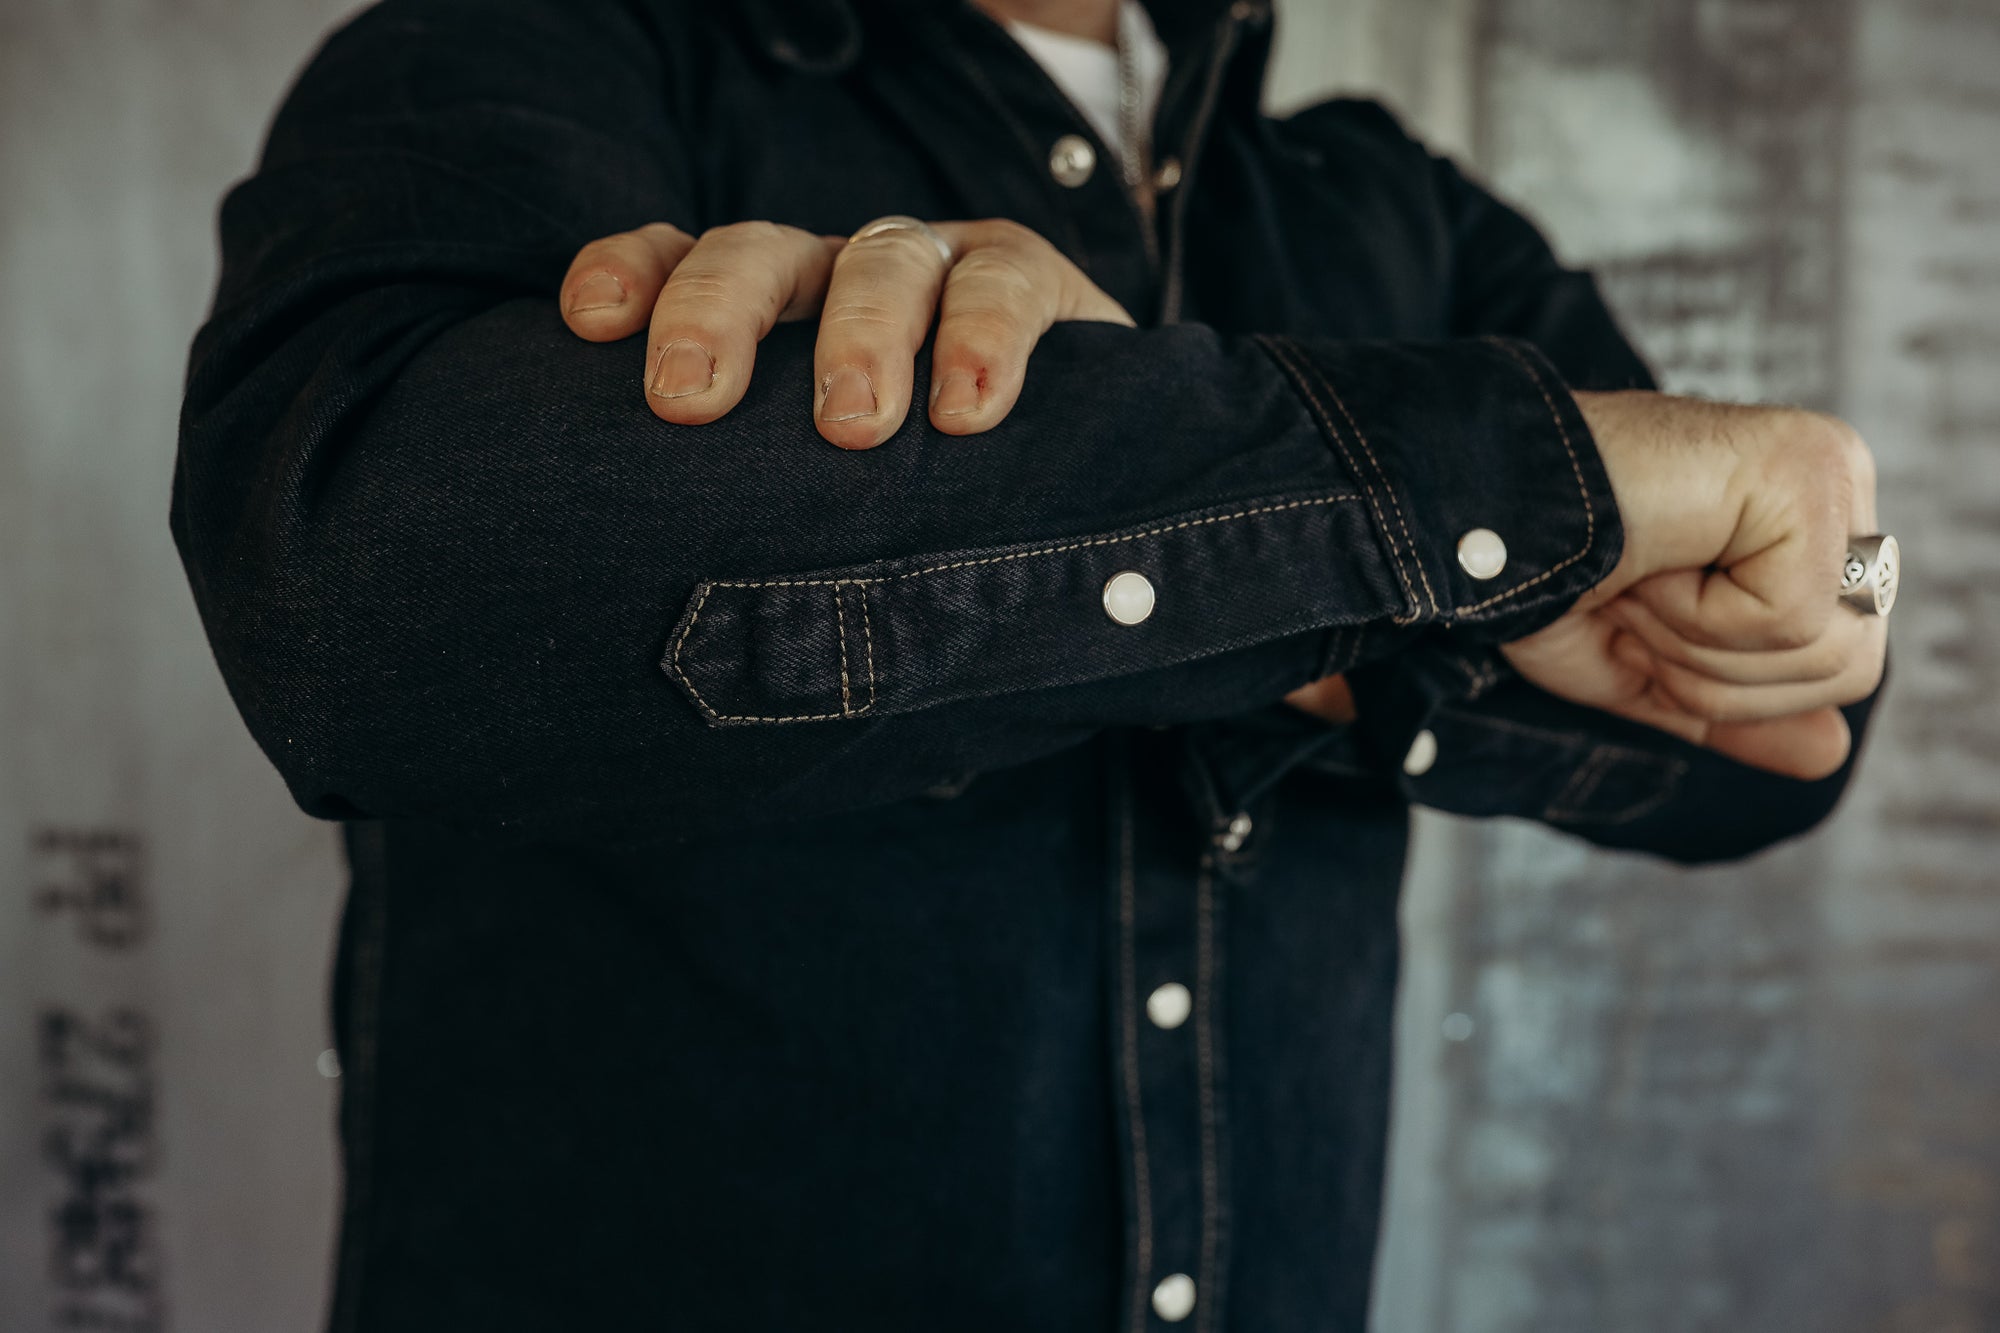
x,y
1087,71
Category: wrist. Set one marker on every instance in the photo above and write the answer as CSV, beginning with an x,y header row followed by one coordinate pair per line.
x,y
1674,471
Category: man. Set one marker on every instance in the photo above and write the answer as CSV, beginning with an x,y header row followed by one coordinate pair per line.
x,y
885,886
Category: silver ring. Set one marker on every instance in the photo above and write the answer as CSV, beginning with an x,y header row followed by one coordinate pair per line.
x,y
904,222
1871,574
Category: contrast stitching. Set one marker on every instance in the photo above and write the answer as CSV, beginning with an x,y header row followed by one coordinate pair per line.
x,y
1382,476
1128,983
868,647
1572,739
1084,544
1583,784
674,662
703,589
1676,769
1285,359
1338,644
1582,488
1570,809
840,623
1479,677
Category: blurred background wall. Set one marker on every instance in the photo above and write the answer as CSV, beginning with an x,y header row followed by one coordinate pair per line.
x,y
1761,1098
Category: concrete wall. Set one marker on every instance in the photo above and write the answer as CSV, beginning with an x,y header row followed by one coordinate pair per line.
x,y
1765,1098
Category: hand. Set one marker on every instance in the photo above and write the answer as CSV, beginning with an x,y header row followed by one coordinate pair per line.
x,y
1329,699
708,301
1721,623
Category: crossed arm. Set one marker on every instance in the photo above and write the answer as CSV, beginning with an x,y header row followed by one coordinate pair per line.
x,y
1718,626
444,547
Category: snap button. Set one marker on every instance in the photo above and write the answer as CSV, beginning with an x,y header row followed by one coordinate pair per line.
x,y
1072,160
1481,553
1128,597
1173,1299
1169,1006
1236,834
1168,175
1423,753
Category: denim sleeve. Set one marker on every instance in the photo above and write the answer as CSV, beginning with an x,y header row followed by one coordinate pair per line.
x,y
453,568
1494,744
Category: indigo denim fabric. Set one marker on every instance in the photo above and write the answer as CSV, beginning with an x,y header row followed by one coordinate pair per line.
x,y
763,854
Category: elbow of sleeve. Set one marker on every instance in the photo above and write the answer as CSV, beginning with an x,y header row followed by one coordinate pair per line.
x,y
366,672
301,702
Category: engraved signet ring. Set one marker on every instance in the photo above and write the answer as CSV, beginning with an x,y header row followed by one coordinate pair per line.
x,y
1871,574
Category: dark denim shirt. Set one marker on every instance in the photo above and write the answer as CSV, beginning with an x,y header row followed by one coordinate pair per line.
x,y
778,883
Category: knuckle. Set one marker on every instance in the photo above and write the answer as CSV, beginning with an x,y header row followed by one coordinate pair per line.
x,y
604,252
902,245
1798,617
706,292
1016,234
862,320
982,334
996,269
750,233
1825,450
1699,696
663,231
1826,659
1860,461
1795,631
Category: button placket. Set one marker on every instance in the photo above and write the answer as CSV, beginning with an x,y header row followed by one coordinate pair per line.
x,y
1208,1097
1168,943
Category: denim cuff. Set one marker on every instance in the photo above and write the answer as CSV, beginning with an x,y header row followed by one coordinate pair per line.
x,y
1463,733
1484,486
898,636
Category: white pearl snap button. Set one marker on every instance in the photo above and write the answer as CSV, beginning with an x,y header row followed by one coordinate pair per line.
x,y
1481,553
1237,833
1169,1006
1071,160
1173,1299
1423,753
1128,597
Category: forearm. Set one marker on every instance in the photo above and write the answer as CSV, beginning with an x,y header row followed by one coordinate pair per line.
x,y
482,581
454,567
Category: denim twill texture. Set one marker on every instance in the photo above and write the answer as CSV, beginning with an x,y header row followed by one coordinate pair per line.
x,y
762,853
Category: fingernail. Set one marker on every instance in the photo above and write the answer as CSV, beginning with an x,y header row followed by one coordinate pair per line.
x,y
845,395
599,291
685,367
956,396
